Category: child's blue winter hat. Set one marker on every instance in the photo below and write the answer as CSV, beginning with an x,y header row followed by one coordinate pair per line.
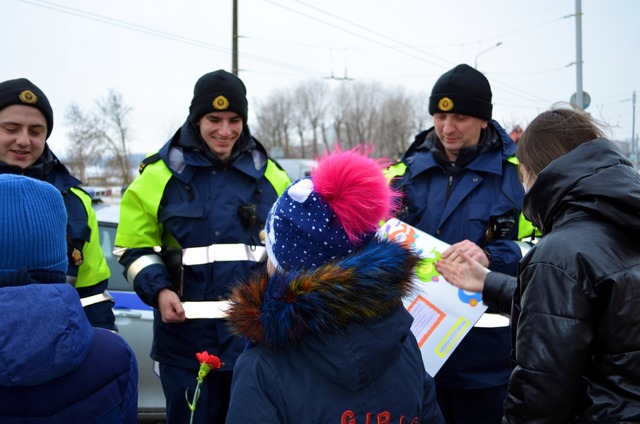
x,y
328,215
302,230
33,225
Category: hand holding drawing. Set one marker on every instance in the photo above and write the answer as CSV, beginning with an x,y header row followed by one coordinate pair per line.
x,y
462,270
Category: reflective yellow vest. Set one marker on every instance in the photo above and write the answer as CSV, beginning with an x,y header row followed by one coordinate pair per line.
x,y
94,268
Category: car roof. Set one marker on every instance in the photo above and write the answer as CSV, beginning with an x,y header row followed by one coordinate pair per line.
x,y
107,212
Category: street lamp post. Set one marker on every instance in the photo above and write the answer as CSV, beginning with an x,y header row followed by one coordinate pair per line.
x,y
475,62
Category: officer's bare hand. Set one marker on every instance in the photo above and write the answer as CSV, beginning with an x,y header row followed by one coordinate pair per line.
x,y
470,249
171,309
464,272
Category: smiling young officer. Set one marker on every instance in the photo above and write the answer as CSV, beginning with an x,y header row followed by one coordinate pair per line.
x,y
190,226
461,185
26,122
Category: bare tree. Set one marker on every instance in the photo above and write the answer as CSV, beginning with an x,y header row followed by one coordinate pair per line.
x,y
421,119
339,113
394,128
274,117
116,132
351,114
361,112
85,137
314,96
299,116
99,135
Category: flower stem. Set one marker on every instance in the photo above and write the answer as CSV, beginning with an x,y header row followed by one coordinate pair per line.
x,y
192,405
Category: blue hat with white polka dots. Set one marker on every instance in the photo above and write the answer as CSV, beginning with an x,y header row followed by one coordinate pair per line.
x,y
302,230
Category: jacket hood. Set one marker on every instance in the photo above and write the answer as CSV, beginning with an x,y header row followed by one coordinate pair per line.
x,y
594,177
186,149
44,332
339,314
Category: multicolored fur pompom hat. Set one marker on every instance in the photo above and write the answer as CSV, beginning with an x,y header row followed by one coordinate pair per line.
x,y
331,213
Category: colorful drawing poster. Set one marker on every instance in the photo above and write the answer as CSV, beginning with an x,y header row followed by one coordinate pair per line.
x,y
442,313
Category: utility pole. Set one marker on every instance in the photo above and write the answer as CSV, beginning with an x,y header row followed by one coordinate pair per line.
x,y
634,141
579,92
234,40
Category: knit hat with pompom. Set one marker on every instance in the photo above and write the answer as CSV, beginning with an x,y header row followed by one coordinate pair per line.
x,y
331,213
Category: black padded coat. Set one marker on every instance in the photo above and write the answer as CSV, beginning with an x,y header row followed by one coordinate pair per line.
x,y
576,311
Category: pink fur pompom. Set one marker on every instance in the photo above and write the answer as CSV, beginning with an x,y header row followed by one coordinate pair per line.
x,y
355,187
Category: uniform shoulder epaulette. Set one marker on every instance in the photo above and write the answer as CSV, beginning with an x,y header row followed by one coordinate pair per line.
x,y
149,159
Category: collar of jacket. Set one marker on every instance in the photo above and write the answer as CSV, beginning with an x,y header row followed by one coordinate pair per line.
x,y
594,178
195,154
47,168
284,309
495,148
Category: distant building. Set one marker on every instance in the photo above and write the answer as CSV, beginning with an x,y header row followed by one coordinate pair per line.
x,y
297,168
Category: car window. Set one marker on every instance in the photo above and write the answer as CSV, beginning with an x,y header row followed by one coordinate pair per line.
x,y
107,237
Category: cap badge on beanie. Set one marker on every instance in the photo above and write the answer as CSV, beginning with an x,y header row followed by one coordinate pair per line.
x,y
463,90
23,92
218,91
221,103
445,104
28,96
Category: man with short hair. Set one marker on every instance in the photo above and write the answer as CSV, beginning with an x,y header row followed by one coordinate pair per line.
x,y
461,185
26,122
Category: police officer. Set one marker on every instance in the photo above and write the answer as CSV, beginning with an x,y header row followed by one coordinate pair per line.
x,y
26,122
191,224
461,185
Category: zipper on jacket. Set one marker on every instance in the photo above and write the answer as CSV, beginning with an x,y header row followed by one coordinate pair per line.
x,y
449,186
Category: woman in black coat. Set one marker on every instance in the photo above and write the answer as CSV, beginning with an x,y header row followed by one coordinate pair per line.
x,y
576,349
575,313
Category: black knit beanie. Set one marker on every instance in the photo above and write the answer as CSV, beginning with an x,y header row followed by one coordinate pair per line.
x,y
21,91
218,91
462,90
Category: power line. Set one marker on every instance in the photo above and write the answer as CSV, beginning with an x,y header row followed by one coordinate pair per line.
x,y
401,43
506,87
201,44
161,34
123,24
355,33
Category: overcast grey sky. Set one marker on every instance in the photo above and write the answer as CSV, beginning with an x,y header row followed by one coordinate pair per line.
x,y
153,51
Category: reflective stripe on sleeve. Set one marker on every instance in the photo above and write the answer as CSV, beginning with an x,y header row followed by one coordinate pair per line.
x,y
492,321
96,298
223,252
141,263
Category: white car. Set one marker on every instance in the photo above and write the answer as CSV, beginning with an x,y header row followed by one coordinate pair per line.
x,y
133,318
